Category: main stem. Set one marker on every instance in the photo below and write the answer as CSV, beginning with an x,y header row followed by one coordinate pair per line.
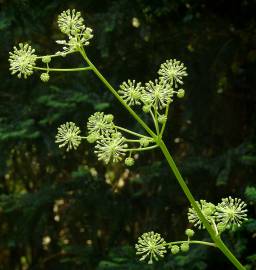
x,y
219,243
216,238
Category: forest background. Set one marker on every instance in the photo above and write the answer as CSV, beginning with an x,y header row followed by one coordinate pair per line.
x,y
68,211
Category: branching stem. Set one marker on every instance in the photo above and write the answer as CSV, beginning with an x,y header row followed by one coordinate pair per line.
x,y
160,143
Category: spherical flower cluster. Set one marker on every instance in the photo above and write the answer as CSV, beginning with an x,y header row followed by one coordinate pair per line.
x,y
68,136
129,161
100,123
208,210
151,245
131,92
231,212
172,72
45,77
22,60
70,22
111,148
158,94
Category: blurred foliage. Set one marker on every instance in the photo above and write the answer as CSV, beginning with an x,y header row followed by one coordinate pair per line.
x,y
68,211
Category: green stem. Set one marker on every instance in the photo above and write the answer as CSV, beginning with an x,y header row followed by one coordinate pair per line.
x,y
193,242
142,148
219,243
132,140
132,132
155,121
164,124
63,69
113,91
54,55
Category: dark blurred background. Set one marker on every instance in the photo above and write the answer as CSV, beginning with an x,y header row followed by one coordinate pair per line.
x,y
69,211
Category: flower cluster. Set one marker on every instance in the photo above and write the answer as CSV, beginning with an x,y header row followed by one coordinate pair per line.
x,y
228,214
231,212
22,60
157,94
69,136
110,144
71,24
208,210
131,92
151,245
172,72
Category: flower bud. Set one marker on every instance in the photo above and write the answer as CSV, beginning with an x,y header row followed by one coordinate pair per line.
x,y
175,249
146,108
109,118
44,77
144,142
93,137
190,233
129,161
162,119
184,247
181,93
46,59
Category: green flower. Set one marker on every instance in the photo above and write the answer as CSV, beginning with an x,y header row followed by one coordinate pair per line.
x,y
68,135
208,210
100,123
150,245
131,92
172,72
231,212
22,60
157,94
44,77
112,148
129,161
70,22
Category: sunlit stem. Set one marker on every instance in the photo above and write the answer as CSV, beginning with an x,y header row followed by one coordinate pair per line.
x,y
63,69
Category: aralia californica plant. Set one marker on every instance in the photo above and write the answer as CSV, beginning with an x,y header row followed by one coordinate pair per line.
x,y
114,143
